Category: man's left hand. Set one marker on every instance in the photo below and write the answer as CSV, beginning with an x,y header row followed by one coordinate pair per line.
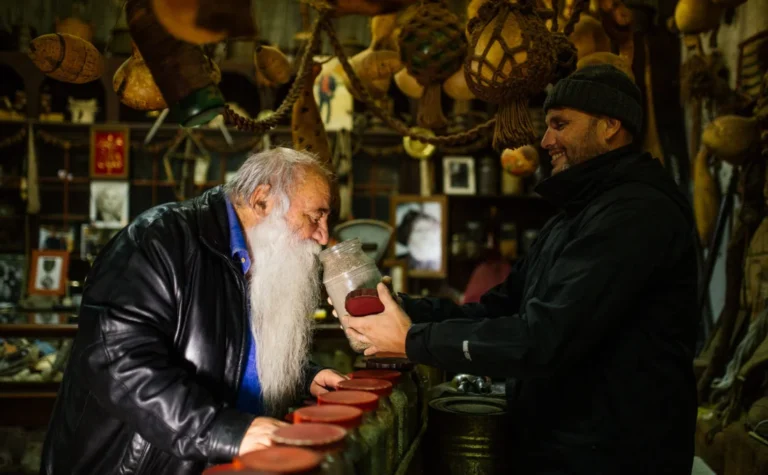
x,y
325,381
387,330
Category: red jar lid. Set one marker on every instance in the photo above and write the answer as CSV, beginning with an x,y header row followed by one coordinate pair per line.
x,y
235,468
309,435
375,386
348,417
385,374
396,361
281,460
359,399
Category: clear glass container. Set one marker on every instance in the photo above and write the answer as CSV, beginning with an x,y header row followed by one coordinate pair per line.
x,y
327,440
409,383
346,268
385,414
348,417
371,431
278,460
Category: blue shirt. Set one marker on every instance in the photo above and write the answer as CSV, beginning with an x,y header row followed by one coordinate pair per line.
x,y
249,396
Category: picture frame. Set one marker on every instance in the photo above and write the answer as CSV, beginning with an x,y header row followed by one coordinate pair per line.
x,y
48,272
335,102
397,270
459,176
421,234
57,238
94,238
109,203
13,269
110,152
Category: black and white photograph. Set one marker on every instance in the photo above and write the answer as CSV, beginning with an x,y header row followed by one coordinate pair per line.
x,y
420,224
459,176
56,238
48,272
12,268
93,239
109,203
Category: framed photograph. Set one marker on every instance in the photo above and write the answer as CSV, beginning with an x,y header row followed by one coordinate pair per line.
x,y
421,233
110,147
48,272
12,270
397,270
334,100
459,176
109,203
56,238
93,239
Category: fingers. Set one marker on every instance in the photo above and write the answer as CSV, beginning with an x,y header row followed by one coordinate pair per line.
x,y
385,296
359,324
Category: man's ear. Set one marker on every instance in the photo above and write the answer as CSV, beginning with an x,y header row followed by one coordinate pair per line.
x,y
261,200
609,127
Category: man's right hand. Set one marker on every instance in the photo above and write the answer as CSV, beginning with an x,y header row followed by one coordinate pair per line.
x,y
257,436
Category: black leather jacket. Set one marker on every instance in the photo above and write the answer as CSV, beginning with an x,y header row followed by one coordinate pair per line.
x,y
153,377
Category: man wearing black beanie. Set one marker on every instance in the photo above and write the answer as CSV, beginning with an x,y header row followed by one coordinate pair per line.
x,y
594,329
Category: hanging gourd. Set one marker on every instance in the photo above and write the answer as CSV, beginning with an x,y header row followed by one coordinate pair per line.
x,y
181,71
589,37
512,57
696,16
307,129
205,21
272,64
408,84
456,87
603,57
136,88
731,138
706,196
432,46
66,58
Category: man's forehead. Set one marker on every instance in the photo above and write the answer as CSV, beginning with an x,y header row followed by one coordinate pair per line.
x,y
313,193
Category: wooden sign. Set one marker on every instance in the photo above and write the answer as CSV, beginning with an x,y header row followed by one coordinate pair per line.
x,y
109,152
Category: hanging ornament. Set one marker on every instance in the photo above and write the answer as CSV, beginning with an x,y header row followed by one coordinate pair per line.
x,y
695,16
731,138
66,58
307,129
513,57
433,46
456,87
272,64
521,162
423,152
205,21
589,36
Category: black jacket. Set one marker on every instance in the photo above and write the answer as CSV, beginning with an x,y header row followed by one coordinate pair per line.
x,y
594,328
155,369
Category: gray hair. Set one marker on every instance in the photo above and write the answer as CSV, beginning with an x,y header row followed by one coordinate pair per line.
x,y
281,168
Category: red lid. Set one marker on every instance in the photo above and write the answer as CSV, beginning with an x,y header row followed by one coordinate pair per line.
x,y
348,417
281,460
360,399
309,435
385,360
386,374
375,386
362,302
235,468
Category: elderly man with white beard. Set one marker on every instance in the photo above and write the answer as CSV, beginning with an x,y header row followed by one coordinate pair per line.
x,y
195,327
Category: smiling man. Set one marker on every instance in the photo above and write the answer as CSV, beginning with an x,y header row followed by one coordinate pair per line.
x,y
195,327
594,329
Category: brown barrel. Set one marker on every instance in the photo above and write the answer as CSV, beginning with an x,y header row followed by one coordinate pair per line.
x,y
467,435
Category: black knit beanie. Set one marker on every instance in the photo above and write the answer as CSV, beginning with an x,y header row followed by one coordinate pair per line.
x,y
601,89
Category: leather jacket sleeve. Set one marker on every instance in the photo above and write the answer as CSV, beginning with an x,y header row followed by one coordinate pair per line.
x,y
128,320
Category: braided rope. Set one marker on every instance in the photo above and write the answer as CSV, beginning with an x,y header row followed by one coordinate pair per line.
x,y
305,69
395,124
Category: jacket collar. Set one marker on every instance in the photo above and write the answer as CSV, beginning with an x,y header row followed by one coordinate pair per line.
x,y
213,221
574,187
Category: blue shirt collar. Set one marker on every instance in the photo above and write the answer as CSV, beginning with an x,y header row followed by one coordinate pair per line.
x,y
237,244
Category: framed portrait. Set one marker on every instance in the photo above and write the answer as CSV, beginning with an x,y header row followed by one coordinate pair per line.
x,y
48,272
12,270
459,176
56,238
93,239
109,203
110,146
334,100
421,234
397,270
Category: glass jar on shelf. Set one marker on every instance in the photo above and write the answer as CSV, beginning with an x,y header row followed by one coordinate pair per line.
x,y
326,440
410,383
348,417
280,460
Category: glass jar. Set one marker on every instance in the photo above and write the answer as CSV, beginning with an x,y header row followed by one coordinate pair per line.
x,y
371,431
280,460
349,418
346,268
409,383
326,440
385,413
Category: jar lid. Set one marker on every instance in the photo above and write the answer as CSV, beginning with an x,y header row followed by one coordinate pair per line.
x,y
309,435
385,374
359,399
375,386
223,469
348,417
281,460
398,361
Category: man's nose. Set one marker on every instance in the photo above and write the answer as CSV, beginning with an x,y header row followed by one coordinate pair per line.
x,y
548,140
320,235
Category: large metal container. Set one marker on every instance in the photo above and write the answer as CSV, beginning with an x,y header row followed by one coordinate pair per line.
x,y
467,435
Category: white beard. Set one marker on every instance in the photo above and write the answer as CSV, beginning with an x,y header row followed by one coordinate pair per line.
x,y
284,291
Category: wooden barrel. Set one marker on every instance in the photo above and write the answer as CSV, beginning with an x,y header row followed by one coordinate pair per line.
x,y
66,58
467,435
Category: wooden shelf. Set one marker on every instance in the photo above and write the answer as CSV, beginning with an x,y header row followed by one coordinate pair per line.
x,y
60,217
66,330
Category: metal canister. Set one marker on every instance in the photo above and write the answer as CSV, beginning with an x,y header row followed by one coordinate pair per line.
x,y
467,435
